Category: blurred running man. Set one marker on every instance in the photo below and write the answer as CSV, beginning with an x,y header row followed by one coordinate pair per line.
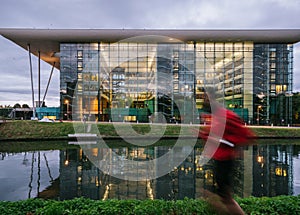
x,y
224,137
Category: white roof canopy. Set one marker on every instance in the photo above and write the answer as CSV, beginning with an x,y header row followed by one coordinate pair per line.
x,y
47,41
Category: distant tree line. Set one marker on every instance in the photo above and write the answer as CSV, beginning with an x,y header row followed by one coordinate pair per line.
x,y
17,105
5,110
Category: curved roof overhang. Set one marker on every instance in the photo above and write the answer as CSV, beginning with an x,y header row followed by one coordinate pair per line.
x,y
47,41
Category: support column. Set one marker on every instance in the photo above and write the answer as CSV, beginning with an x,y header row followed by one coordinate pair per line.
x,y
49,80
39,78
99,84
31,76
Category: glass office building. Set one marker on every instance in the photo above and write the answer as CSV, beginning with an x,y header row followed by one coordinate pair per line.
x,y
160,75
133,81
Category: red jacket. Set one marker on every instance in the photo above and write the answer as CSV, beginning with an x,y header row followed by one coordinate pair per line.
x,y
228,129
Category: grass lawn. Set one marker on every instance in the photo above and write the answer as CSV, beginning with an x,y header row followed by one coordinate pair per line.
x,y
33,129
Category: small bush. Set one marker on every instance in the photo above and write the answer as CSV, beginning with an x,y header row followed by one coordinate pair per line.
x,y
289,205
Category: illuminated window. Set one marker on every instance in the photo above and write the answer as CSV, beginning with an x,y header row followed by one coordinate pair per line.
x,y
79,54
273,54
79,66
281,88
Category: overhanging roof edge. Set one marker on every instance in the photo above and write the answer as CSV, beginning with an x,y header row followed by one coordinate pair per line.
x,y
47,41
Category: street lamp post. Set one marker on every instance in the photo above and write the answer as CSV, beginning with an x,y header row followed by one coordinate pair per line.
x,y
258,108
67,103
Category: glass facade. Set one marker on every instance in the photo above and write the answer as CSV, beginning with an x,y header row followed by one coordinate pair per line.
x,y
273,78
163,81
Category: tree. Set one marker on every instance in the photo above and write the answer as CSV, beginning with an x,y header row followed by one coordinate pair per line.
x,y
17,105
296,107
25,106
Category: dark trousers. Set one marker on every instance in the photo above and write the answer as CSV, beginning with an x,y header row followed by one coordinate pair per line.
x,y
224,176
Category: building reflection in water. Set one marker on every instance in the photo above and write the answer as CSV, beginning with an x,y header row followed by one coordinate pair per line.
x,y
265,170
273,170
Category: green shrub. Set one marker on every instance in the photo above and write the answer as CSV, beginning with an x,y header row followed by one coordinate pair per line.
x,y
289,205
275,205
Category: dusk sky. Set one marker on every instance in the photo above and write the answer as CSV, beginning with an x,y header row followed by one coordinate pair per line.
x,y
15,85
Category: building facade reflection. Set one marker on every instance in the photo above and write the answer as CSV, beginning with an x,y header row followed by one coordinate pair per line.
x,y
265,170
273,170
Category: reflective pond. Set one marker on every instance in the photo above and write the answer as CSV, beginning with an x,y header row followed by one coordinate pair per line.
x,y
265,170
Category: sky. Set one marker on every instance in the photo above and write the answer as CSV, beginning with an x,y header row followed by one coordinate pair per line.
x,y
15,82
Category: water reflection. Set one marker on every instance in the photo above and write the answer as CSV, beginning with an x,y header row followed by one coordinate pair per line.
x,y
273,170
27,174
265,170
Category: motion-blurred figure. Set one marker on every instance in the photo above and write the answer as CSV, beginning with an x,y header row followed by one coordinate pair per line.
x,y
224,137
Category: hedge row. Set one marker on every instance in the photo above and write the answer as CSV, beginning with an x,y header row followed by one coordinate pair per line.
x,y
83,206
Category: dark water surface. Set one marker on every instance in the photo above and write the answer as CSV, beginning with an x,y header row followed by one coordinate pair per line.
x,y
266,170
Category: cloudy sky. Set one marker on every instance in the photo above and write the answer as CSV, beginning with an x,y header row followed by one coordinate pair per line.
x,y
15,85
